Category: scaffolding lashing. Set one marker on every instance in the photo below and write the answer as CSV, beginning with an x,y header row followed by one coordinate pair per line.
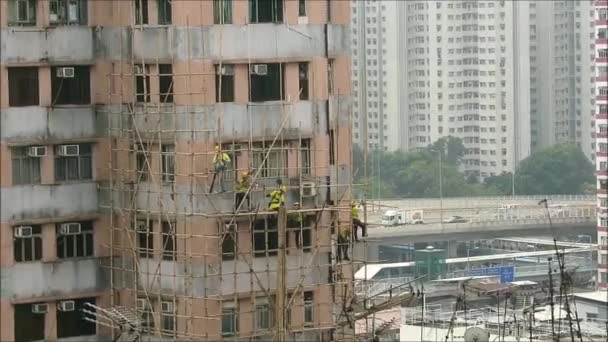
x,y
206,266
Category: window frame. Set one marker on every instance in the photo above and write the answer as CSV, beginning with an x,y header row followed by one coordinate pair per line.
x,y
81,160
308,307
142,161
222,12
13,13
165,12
81,7
142,83
229,246
147,239
73,320
278,157
264,316
168,238
165,83
230,312
275,73
223,83
141,12
302,8
85,237
71,91
168,163
265,237
23,88
303,81
35,248
20,157
276,11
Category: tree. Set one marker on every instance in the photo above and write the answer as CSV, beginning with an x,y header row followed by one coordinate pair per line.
x,y
451,148
503,183
560,169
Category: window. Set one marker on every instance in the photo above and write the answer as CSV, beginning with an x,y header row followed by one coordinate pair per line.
x,y
230,320
26,169
168,163
147,317
27,247
141,12
142,162
23,87
308,308
29,325
164,12
224,83
168,236
302,8
71,85
73,162
332,152
68,12
266,11
142,83
304,166
74,239
145,238
266,82
167,318
303,80
70,323
222,12
275,164
165,82
22,12
265,237
229,245
263,317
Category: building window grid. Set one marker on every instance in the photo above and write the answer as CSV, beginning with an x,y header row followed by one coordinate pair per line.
x,y
75,245
28,248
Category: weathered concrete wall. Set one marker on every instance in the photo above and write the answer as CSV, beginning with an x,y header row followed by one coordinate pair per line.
x,y
65,44
48,124
53,278
44,201
198,280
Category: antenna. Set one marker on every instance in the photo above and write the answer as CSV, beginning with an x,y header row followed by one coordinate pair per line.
x,y
476,334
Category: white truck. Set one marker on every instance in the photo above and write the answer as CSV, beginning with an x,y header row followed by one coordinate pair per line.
x,y
401,217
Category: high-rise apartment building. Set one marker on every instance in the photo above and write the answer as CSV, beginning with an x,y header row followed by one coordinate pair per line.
x,y
465,78
375,61
112,113
561,73
601,135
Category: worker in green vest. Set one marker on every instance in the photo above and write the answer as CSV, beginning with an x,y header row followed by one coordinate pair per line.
x,y
242,187
343,242
277,196
357,222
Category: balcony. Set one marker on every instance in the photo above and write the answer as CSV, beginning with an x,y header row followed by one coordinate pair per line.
x,y
239,122
46,279
65,44
233,43
31,202
40,124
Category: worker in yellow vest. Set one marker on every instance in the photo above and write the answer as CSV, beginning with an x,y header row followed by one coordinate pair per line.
x,y
343,242
220,164
241,191
357,222
277,196
294,222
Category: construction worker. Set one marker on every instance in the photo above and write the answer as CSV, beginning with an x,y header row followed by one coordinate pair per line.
x,y
241,191
343,242
220,164
294,221
357,222
277,196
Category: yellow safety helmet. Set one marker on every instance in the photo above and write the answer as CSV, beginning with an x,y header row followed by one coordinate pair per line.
x,y
217,147
245,173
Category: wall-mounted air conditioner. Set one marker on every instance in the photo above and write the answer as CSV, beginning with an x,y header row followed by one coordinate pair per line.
x,y
37,151
65,72
23,231
70,228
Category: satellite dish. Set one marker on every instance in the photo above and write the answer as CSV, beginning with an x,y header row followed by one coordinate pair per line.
x,y
476,334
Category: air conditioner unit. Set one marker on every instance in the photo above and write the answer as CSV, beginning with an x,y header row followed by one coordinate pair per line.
x,y
166,307
69,150
40,308
66,305
70,229
65,72
227,70
23,231
142,226
141,304
37,151
138,70
259,69
308,189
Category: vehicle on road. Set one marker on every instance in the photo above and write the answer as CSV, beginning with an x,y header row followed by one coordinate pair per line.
x,y
455,219
401,217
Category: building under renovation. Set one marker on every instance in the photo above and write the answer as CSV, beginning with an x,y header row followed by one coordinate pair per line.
x,y
115,116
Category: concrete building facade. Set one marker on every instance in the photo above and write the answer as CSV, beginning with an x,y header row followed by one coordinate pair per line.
x,y
561,74
601,135
111,117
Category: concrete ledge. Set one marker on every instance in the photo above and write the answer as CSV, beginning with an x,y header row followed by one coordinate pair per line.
x,y
53,278
64,44
23,202
48,124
